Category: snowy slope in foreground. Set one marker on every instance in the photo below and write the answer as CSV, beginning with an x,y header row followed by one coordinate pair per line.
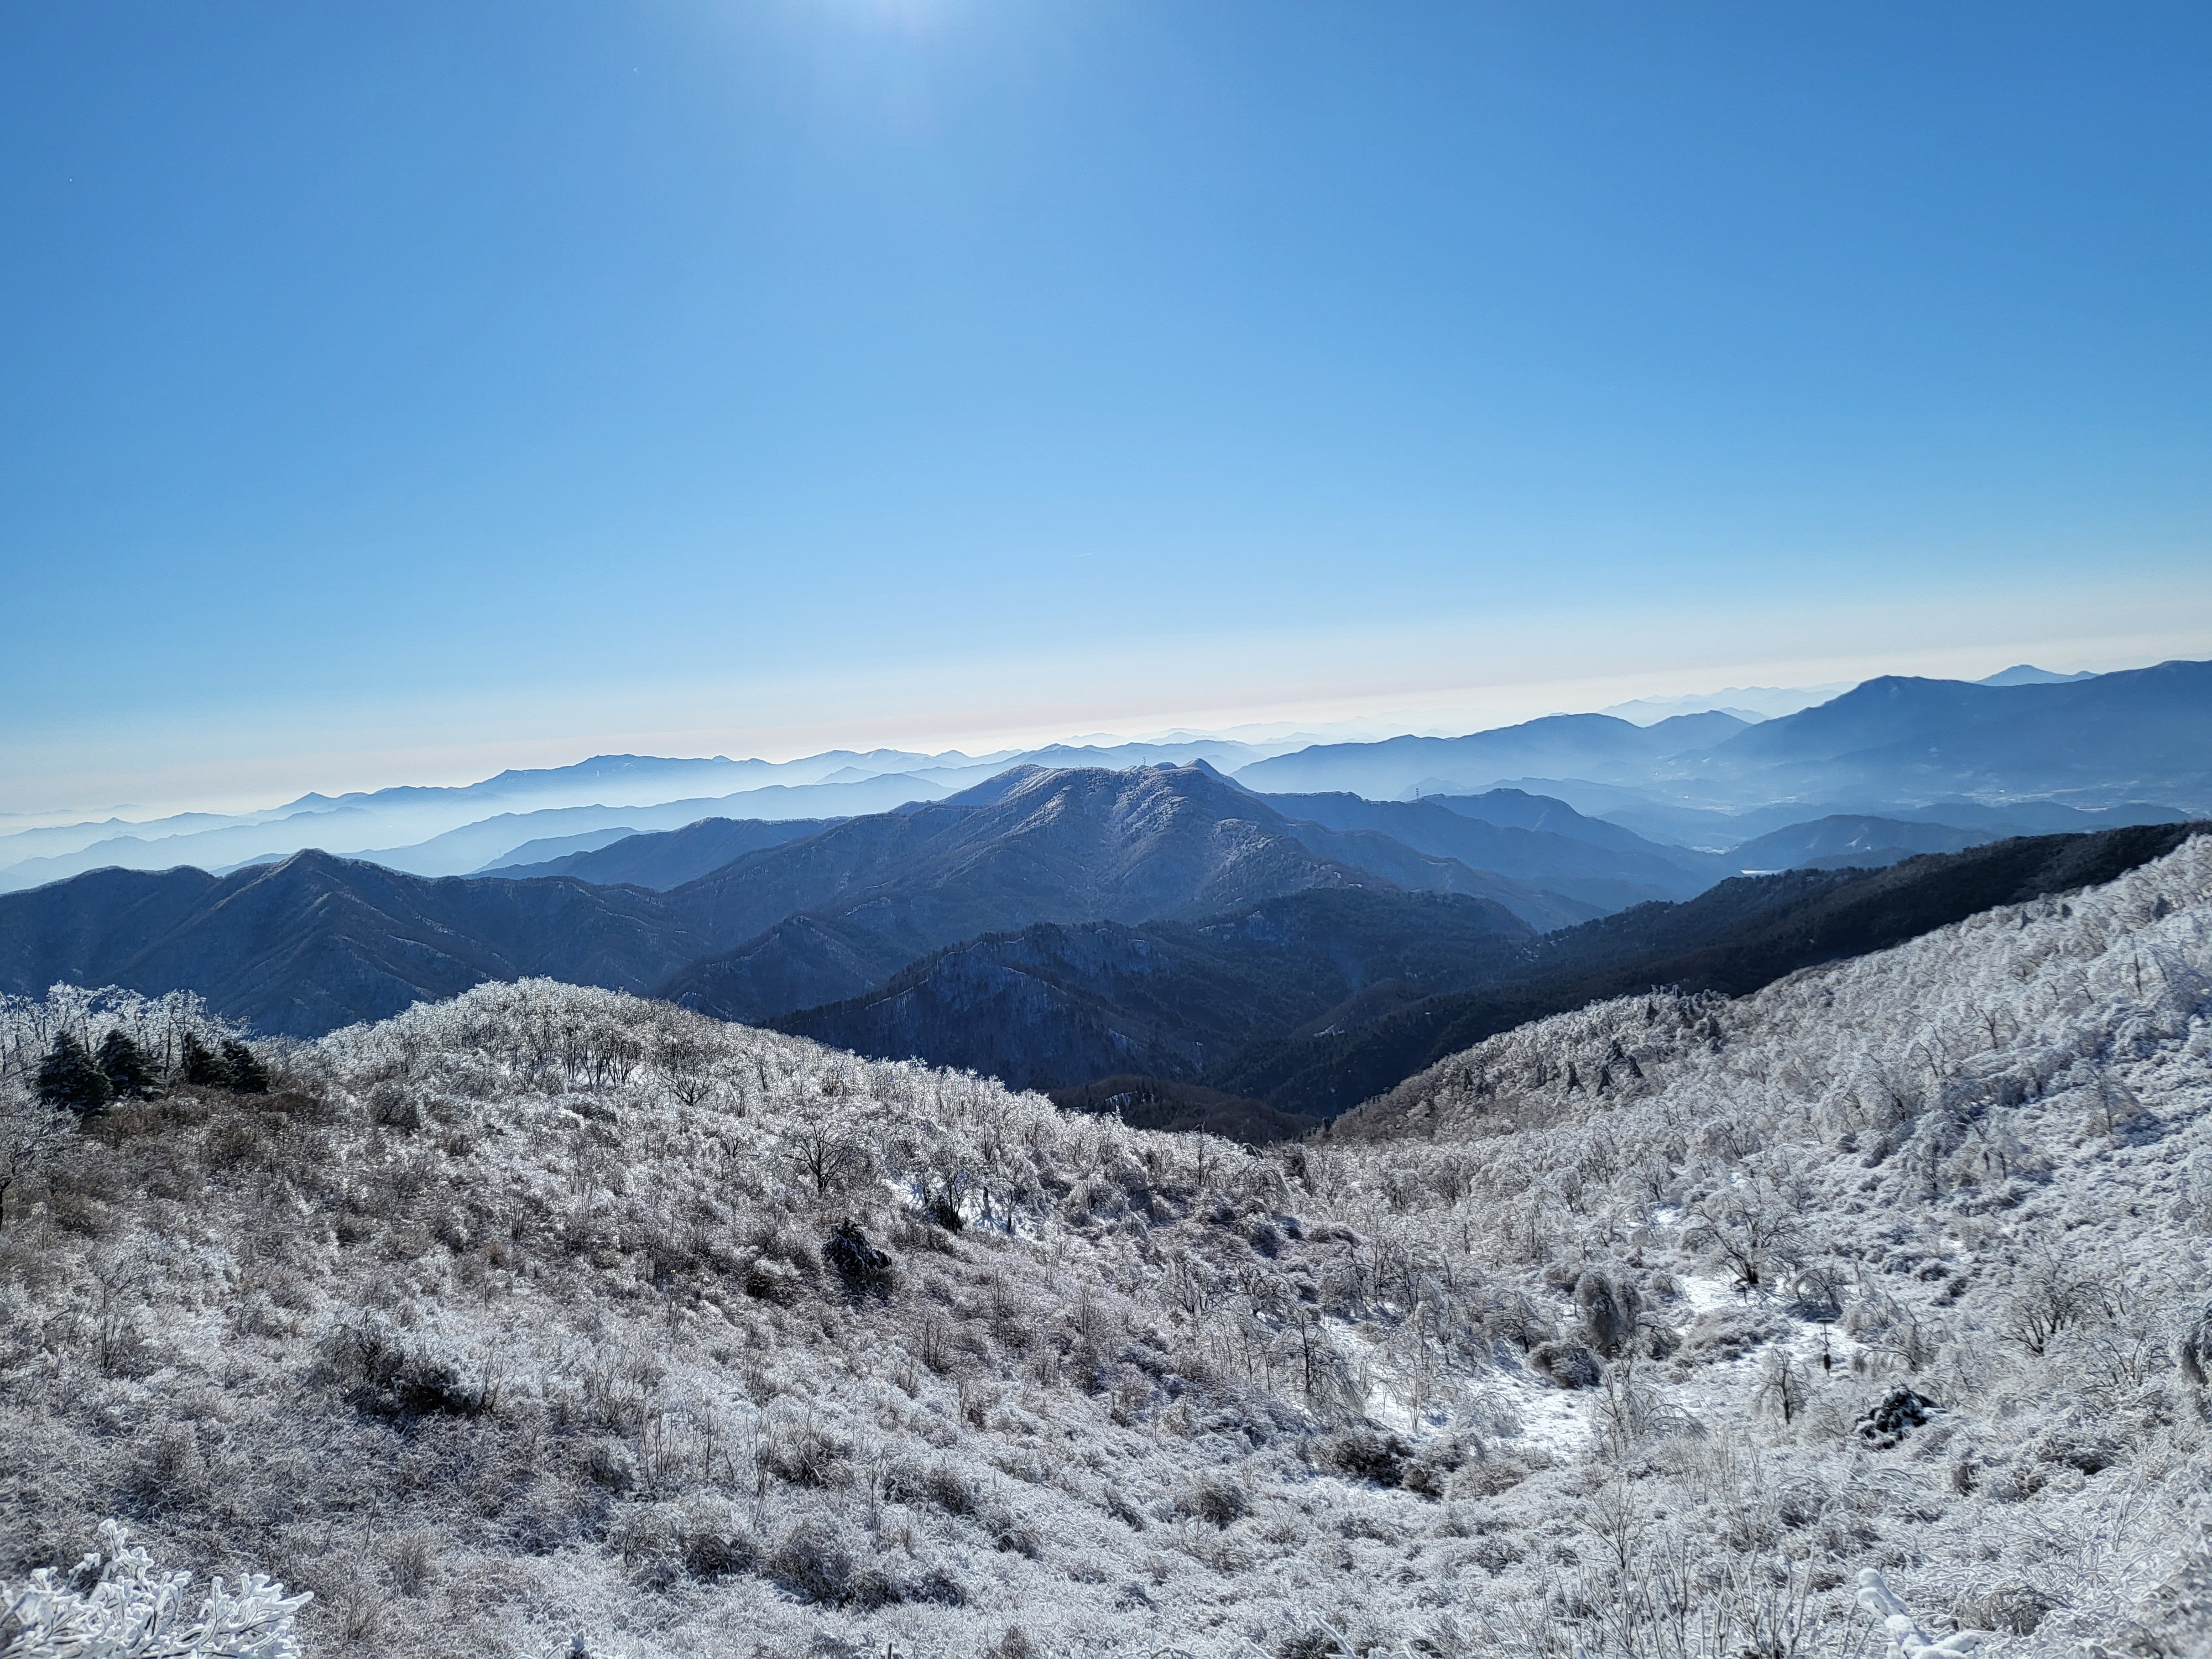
x,y
528,1317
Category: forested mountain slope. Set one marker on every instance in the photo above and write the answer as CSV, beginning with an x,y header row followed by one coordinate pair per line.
x,y
1628,871
316,942
1061,1004
550,1320
1737,937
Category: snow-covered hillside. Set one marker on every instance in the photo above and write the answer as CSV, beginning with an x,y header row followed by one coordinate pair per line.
x,y
547,1320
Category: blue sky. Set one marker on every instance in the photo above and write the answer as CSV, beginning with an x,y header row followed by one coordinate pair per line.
x,y
394,392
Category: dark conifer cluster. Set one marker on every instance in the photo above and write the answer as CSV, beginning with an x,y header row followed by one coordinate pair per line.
x,y
71,1078
74,1077
123,1064
232,1067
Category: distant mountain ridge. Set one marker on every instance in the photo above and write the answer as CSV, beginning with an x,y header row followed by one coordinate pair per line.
x,y
2029,674
1850,841
2131,735
354,832
1881,749
2143,732
1558,744
668,857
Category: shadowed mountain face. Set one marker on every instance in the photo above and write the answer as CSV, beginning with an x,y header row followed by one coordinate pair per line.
x,y
314,943
1612,873
1741,935
1058,1004
1151,1102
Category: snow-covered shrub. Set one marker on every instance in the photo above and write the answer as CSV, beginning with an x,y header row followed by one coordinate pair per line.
x,y
129,1608
1908,1640
1609,1305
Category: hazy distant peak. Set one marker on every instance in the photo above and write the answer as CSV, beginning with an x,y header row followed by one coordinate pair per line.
x,y
2029,674
1750,703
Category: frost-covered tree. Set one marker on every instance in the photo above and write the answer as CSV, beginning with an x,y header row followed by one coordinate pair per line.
x,y
31,1134
156,1025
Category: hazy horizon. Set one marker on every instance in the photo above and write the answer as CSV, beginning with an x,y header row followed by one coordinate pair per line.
x,y
494,759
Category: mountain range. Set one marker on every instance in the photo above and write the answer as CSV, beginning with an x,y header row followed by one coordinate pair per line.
x,y
1192,920
1052,927
1707,780
2142,734
436,830
863,898
315,941
1313,1003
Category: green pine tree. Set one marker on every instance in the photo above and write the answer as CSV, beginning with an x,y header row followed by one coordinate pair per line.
x,y
69,1077
123,1065
248,1076
203,1068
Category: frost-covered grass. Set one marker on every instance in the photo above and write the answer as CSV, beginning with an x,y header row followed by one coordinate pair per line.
x,y
547,1315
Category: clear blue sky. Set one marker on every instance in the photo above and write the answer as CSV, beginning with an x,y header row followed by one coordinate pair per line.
x,y
389,391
